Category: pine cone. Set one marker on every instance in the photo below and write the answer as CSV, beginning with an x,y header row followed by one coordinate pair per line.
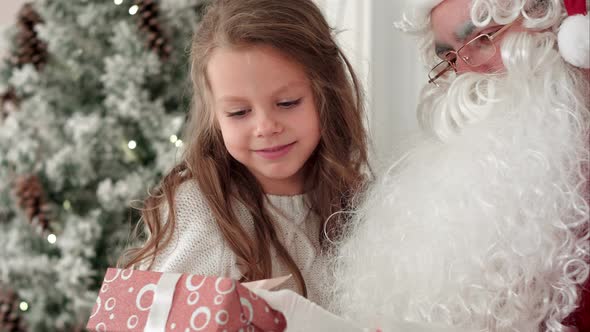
x,y
8,103
30,49
10,321
29,193
149,25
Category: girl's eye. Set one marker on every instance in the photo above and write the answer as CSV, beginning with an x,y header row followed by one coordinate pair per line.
x,y
289,104
239,113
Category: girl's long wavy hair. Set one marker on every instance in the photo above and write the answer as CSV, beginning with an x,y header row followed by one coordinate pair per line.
x,y
336,171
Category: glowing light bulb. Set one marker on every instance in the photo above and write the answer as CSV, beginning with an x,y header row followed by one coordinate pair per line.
x,y
178,143
67,205
51,238
24,306
133,9
173,139
118,2
132,144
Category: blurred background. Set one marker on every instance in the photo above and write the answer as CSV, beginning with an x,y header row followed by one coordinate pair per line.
x,y
384,57
93,96
8,10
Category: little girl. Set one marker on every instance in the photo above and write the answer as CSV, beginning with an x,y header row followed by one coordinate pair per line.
x,y
276,145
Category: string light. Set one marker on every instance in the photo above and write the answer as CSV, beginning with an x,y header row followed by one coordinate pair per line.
x,y
23,306
133,9
173,139
128,147
178,143
67,205
51,238
118,2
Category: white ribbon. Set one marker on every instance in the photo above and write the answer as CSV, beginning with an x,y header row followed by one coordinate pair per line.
x,y
162,304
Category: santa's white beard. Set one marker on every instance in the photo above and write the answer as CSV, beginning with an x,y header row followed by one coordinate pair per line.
x,y
486,226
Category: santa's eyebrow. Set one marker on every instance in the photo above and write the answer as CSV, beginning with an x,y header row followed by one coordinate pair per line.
x,y
464,31
461,33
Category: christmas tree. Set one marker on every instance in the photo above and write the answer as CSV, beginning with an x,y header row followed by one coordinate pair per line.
x,y
92,100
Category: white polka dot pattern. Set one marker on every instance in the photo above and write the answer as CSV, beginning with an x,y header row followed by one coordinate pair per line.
x,y
199,304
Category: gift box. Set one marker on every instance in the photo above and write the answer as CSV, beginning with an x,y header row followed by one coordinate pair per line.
x,y
133,300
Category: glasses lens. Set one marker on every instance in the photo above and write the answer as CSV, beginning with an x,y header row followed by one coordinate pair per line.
x,y
439,70
478,51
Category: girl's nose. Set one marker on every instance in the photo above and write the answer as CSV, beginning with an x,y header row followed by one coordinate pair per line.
x,y
266,125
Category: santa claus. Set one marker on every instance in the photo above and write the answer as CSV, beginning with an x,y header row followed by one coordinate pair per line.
x,y
484,223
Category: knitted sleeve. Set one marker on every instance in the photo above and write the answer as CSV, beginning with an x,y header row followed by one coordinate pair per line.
x,y
196,246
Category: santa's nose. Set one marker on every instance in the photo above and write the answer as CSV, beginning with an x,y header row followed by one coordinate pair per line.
x,y
461,66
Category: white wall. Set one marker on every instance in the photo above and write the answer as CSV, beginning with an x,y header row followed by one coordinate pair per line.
x,y
387,61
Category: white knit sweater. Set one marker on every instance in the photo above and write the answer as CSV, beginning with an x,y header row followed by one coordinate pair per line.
x,y
197,245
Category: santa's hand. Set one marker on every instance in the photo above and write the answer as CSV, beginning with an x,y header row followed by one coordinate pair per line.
x,y
304,315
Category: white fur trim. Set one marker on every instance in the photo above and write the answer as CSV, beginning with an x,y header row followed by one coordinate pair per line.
x,y
574,40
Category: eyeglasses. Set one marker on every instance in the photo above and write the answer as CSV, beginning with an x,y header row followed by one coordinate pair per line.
x,y
474,53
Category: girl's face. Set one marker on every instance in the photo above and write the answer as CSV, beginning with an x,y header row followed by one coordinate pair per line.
x,y
265,108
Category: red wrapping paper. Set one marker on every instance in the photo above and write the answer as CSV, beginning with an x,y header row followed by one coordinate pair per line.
x,y
126,302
